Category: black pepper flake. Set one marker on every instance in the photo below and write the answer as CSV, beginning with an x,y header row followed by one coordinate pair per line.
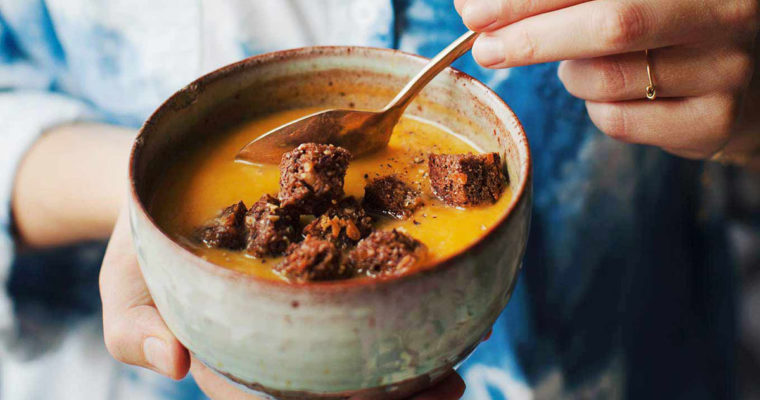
x,y
416,222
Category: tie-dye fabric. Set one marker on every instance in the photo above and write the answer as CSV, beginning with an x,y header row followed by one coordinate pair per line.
x,y
626,290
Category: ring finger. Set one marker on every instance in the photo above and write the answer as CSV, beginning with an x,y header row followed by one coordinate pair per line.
x,y
678,72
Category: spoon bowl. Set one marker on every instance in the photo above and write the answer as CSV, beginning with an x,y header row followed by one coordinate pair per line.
x,y
361,132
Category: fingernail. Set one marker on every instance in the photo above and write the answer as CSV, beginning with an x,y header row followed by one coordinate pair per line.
x,y
488,51
478,14
156,354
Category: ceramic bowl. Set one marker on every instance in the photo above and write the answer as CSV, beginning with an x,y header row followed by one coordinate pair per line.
x,y
384,338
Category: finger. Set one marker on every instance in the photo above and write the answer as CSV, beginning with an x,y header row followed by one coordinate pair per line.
x,y
679,72
697,126
451,388
214,386
599,28
487,15
134,331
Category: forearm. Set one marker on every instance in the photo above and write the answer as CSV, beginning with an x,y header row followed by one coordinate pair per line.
x,y
71,184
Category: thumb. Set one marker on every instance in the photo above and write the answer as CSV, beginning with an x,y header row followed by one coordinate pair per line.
x,y
133,330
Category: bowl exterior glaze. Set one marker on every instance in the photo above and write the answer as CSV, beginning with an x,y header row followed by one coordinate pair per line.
x,y
381,339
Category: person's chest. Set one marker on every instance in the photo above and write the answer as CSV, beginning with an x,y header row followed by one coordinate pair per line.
x,y
142,50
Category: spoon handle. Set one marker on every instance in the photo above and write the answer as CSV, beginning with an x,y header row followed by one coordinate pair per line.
x,y
442,60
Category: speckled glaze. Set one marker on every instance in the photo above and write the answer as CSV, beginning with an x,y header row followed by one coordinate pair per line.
x,y
383,338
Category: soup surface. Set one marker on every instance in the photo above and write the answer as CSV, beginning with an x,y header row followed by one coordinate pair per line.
x,y
206,179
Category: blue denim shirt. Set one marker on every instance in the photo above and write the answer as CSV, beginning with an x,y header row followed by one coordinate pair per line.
x,y
627,288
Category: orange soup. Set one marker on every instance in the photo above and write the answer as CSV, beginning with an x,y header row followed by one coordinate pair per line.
x,y
207,179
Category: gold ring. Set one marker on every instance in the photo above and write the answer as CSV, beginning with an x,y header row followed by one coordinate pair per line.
x,y
652,88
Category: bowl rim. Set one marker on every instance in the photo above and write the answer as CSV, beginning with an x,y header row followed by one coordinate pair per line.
x,y
518,196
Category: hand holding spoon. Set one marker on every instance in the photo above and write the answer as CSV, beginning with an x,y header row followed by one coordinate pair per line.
x,y
360,132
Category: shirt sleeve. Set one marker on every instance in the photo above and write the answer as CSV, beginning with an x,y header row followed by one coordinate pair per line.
x,y
28,106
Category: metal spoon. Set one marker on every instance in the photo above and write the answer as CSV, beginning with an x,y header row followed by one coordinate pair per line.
x,y
360,132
